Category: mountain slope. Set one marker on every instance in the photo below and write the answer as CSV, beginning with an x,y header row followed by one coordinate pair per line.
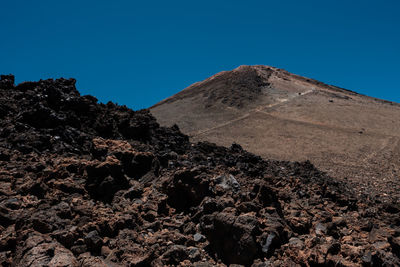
x,y
90,184
279,115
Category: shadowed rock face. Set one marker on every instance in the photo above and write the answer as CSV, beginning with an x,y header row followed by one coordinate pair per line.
x,y
89,184
279,115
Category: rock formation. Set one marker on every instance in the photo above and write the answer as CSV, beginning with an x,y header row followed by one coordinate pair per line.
x,y
90,184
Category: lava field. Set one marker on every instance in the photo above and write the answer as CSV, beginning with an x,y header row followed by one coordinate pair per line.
x,y
89,184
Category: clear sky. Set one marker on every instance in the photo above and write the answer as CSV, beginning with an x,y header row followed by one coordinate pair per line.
x,y
139,52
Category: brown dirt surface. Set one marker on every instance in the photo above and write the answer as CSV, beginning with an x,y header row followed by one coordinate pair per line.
x,y
89,184
288,117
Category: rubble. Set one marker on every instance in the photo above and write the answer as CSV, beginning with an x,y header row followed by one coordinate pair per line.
x,y
90,184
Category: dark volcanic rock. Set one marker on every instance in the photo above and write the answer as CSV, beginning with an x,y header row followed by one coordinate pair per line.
x,y
89,184
7,81
232,237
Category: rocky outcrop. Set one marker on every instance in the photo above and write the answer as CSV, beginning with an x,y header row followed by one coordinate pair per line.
x,y
89,184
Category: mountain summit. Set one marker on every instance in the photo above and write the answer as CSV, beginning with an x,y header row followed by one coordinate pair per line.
x,y
284,116
90,184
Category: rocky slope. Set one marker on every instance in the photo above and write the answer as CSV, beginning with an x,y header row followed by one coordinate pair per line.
x,y
89,184
283,116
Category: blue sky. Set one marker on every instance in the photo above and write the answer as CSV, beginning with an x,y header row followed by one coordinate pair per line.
x,y
139,52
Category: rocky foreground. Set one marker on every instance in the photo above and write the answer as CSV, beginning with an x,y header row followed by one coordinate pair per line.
x,y
89,184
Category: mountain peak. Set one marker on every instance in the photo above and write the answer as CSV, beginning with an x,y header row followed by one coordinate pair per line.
x,y
284,116
255,67
246,87
236,88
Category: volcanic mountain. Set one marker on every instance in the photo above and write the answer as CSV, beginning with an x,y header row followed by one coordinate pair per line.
x,y
283,116
86,184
